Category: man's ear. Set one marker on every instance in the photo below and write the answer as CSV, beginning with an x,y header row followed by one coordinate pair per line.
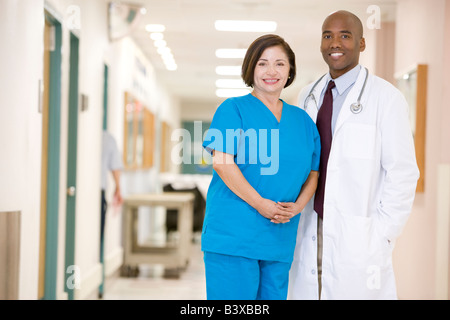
x,y
362,44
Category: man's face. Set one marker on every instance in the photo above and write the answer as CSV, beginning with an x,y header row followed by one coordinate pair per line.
x,y
341,44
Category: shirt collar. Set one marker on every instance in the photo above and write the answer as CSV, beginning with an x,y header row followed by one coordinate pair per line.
x,y
346,80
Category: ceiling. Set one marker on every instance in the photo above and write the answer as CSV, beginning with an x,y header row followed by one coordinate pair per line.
x,y
192,38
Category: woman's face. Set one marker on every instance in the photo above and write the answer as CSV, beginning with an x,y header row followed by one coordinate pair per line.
x,y
271,71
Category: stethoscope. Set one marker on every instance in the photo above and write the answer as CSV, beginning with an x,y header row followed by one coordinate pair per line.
x,y
355,107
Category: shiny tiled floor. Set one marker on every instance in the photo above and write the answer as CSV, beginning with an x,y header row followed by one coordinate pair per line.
x,y
151,285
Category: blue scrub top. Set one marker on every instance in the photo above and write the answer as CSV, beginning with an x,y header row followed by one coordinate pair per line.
x,y
276,159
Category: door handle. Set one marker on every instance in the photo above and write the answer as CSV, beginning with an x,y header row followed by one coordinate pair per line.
x,y
71,191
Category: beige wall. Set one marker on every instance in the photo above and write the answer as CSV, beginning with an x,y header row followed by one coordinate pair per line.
x,y
445,120
420,41
445,129
385,51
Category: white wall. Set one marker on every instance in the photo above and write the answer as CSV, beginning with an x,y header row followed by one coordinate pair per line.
x,y
21,61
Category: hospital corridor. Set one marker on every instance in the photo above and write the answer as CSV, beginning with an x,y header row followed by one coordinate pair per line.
x,y
151,284
108,188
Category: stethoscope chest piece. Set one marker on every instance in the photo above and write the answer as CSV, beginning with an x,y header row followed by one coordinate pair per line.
x,y
356,107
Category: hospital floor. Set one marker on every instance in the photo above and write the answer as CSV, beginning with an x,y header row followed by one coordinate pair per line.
x,y
150,284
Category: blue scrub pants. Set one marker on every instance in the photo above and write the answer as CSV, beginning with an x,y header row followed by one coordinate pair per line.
x,y
238,278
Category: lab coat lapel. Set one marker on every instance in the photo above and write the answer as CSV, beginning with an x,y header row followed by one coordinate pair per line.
x,y
313,110
351,98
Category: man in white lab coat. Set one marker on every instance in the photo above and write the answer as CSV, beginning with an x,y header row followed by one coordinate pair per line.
x,y
371,177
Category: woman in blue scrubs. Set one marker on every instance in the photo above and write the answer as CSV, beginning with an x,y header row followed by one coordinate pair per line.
x,y
265,159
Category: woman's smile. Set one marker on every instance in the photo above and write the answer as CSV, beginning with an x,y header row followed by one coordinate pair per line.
x,y
271,81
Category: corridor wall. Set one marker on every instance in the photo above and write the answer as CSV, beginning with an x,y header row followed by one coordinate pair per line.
x,y
21,62
416,258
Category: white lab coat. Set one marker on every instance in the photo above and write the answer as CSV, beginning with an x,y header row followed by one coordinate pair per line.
x,y
370,188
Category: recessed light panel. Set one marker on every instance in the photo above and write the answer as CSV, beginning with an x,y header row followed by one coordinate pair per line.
x,y
230,83
231,53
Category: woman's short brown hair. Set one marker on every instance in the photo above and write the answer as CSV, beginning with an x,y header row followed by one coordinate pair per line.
x,y
255,51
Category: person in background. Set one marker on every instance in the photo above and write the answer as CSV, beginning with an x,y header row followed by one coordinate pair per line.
x,y
111,162
367,178
265,160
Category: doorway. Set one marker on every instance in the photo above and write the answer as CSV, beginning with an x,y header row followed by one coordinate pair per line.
x,y
50,163
70,278
102,221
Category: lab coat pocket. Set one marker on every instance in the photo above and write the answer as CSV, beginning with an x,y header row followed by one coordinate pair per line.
x,y
359,242
386,245
359,140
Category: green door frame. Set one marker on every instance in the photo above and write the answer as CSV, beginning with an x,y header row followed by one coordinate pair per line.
x,y
105,97
53,162
105,127
70,278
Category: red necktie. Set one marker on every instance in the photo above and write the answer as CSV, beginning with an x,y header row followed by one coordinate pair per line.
x,y
323,123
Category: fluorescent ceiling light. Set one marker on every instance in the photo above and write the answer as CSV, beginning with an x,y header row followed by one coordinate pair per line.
x,y
171,66
230,53
166,54
160,43
155,28
245,25
230,83
228,70
226,93
164,50
168,60
156,36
